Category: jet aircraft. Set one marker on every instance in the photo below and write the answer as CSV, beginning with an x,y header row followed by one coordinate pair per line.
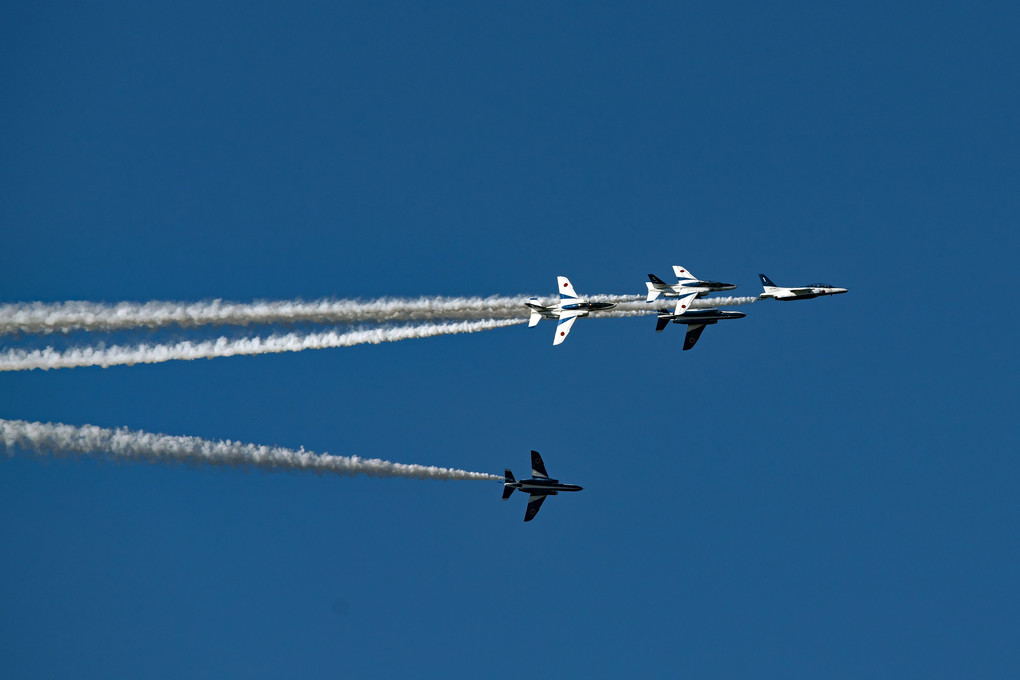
x,y
566,311
686,283
695,319
802,293
539,486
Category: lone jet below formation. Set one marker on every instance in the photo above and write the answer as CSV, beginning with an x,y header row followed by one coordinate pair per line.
x,y
800,293
686,283
566,311
539,486
696,319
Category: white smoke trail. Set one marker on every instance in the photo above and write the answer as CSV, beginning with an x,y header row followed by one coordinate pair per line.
x,y
117,355
631,309
125,444
62,317
663,304
41,318
724,301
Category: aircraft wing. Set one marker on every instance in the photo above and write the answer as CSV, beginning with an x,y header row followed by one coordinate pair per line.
x,y
684,303
693,333
537,466
564,325
534,503
683,274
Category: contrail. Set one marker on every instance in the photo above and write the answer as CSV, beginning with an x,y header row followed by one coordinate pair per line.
x,y
118,355
125,444
63,317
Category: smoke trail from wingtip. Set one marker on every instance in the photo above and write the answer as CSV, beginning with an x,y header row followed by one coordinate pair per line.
x,y
119,355
125,444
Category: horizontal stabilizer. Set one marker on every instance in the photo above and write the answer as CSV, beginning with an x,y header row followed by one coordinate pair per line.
x,y
662,322
534,319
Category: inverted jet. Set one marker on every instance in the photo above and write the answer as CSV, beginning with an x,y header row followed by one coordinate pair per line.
x,y
686,283
801,293
539,486
695,319
566,311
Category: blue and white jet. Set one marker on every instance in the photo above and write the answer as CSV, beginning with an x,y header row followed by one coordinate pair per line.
x,y
566,311
686,283
539,486
814,290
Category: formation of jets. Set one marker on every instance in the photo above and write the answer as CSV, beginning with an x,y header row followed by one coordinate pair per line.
x,y
688,288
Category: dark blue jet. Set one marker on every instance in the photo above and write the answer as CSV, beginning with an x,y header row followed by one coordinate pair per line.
x,y
539,486
696,319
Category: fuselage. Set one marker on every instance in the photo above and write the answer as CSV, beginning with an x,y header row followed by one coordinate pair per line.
x,y
548,487
587,306
705,316
580,307
687,287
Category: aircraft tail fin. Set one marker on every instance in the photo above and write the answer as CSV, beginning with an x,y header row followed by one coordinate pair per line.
x,y
507,489
653,292
662,322
766,282
534,319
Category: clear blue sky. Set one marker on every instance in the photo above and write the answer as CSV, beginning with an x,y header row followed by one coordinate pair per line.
x,y
822,489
